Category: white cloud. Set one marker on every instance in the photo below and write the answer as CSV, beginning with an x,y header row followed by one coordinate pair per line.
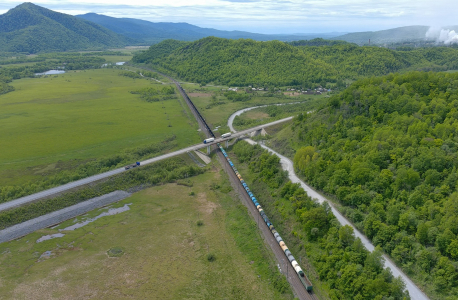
x,y
271,16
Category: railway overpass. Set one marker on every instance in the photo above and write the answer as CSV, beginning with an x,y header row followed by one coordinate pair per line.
x,y
71,185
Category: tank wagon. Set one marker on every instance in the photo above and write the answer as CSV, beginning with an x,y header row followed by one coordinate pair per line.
x,y
302,277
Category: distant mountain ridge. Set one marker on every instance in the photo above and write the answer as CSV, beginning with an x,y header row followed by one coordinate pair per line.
x,y
151,32
394,35
31,28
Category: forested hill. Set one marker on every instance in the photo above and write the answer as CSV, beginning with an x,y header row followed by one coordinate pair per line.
x,y
386,147
244,62
30,28
154,32
158,51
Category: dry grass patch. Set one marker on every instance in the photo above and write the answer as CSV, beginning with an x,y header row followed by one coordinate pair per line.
x,y
164,253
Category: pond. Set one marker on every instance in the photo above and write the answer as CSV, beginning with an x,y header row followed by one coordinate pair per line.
x,y
50,72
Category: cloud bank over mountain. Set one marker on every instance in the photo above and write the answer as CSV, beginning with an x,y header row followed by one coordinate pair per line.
x,y
268,16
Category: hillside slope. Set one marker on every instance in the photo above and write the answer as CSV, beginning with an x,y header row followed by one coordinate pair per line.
x,y
273,63
30,28
242,62
386,148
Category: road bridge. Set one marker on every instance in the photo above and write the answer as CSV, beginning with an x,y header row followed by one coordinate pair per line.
x,y
71,185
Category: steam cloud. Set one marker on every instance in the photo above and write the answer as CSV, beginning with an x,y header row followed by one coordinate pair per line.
x,y
440,35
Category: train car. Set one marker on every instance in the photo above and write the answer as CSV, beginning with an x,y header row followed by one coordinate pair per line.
x,y
226,135
302,277
209,140
305,281
283,246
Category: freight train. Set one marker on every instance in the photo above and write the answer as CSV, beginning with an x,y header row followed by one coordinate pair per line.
x,y
303,278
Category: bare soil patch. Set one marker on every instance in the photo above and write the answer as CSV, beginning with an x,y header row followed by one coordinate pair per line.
x,y
206,206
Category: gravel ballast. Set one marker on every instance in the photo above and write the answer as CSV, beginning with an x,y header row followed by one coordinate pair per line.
x,y
59,216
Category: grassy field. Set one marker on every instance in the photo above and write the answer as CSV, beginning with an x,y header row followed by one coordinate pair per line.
x,y
81,115
166,238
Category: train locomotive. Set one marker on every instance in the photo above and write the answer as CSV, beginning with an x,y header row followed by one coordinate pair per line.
x,y
303,278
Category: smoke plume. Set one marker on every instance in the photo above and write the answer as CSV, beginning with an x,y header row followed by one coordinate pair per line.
x,y
440,35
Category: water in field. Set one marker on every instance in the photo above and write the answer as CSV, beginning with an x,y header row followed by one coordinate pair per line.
x,y
110,212
51,72
46,254
50,236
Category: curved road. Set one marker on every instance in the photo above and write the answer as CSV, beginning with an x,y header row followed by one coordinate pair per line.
x,y
287,165
239,112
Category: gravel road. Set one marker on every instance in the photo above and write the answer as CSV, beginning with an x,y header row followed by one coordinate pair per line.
x,y
287,165
59,216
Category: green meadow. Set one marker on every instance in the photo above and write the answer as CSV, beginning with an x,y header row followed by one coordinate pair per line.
x,y
217,110
82,115
193,241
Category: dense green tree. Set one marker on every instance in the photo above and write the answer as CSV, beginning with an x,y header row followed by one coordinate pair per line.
x,y
386,147
247,62
349,270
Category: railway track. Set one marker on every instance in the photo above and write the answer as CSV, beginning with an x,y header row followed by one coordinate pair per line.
x,y
269,239
285,266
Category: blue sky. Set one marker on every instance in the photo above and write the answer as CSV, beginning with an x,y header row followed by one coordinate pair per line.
x,y
265,16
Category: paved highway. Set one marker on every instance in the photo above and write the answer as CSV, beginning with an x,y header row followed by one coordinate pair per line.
x,y
74,184
287,165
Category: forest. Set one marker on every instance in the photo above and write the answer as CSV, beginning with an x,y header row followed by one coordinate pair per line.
x,y
246,62
386,148
343,264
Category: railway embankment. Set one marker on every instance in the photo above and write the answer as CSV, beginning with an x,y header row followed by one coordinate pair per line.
x,y
59,216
